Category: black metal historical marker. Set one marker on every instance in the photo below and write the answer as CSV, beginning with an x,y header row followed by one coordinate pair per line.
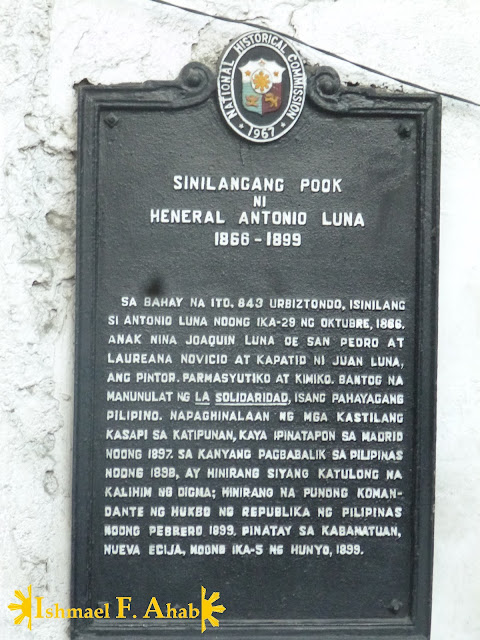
x,y
256,354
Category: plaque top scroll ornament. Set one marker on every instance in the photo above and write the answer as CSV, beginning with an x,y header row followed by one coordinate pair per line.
x,y
261,86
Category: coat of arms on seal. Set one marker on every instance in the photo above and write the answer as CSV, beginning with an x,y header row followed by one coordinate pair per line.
x,y
261,86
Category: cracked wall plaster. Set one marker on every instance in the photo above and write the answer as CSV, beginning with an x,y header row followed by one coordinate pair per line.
x,y
438,39
46,46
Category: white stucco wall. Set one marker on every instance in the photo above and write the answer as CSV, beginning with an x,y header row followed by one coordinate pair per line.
x,y
48,45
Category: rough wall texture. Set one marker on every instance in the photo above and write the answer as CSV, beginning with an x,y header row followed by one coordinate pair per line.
x,y
48,45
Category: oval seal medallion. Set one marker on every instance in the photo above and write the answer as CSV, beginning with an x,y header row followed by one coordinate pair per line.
x,y
261,86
